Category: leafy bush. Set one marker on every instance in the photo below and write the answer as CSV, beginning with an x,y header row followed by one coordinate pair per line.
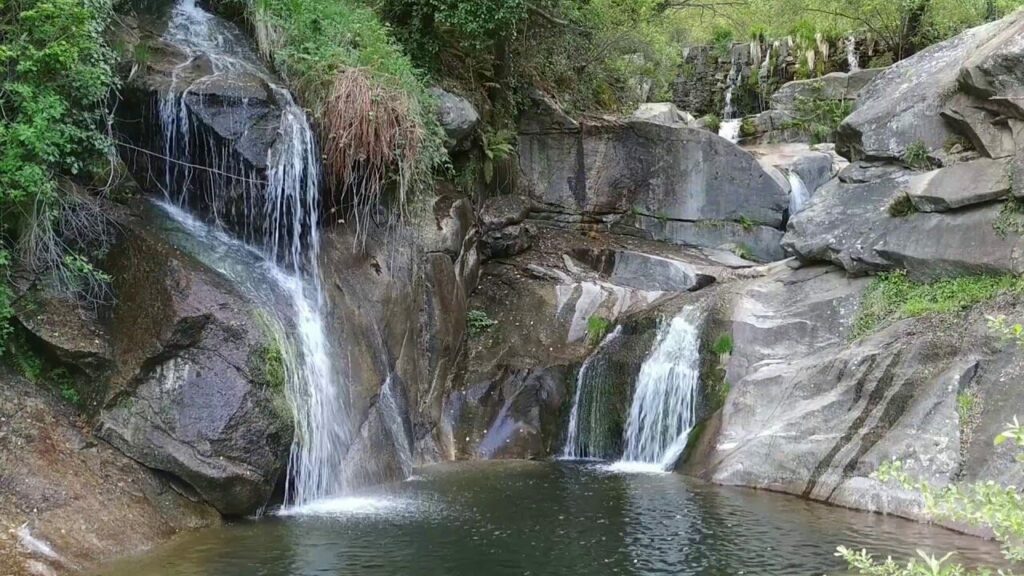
x,y
479,322
57,76
713,123
820,117
748,128
723,345
916,156
893,296
597,329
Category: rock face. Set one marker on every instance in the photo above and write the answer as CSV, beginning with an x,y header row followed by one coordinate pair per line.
x,y
664,113
666,182
902,106
851,225
833,86
187,397
960,185
77,495
812,413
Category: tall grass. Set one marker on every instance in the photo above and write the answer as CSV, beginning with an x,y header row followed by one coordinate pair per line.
x,y
379,133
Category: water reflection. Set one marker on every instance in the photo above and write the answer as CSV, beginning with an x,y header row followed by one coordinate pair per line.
x,y
524,518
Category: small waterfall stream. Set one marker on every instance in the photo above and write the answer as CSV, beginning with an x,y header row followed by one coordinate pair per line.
x,y
586,438
852,57
279,220
730,126
665,399
798,193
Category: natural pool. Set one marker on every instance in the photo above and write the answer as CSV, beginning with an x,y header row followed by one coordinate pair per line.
x,y
525,518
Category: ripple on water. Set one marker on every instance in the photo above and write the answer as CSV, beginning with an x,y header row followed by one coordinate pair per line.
x,y
350,506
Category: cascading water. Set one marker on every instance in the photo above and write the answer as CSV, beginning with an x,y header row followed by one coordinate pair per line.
x,y
278,219
664,407
730,126
798,193
586,437
852,58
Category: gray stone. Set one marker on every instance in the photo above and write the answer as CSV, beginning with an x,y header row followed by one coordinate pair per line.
x,y
607,166
187,398
960,185
832,86
902,105
644,271
862,172
758,242
988,133
813,413
664,113
814,168
850,225
993,72
458,118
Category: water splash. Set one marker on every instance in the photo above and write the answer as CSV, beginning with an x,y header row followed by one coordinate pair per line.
x,y
277,217
730,126
798,193
665,400
585,439
730,130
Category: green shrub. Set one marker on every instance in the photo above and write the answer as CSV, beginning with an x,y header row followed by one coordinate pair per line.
x,y
746,223
597,329
893,296
748,128
916,156
713,123
744,251
479,322
722,39
57,77
965,402
820,117
722,345
1010,219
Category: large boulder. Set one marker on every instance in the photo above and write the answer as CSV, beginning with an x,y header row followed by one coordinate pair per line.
x,y
902,106
813,413
458,118
960,185
832,86
663,113
605,165
191,395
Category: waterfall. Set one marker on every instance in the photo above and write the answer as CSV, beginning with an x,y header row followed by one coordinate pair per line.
x,y
730,126
665,399
852,58
798,193
278,219
585,438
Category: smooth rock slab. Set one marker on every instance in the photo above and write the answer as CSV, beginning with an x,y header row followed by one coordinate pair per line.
x,y
761,242
960,185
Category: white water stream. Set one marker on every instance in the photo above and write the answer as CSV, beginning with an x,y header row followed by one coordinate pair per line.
x,y
280,221
664,406
798,193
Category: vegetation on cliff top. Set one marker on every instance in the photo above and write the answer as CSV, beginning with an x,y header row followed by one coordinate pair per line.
x,y
893,296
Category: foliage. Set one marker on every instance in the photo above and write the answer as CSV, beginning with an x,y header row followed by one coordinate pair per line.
x,y
1010,219
57,73
590,55
37,368
901,206
723,345
379,131
479,322
746,223
965,402
820,117
497,146
722,39
893,296
916,156
748,128
713,123
597,329
744,252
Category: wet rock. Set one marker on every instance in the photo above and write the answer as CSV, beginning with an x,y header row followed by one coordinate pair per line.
x,y
902,105
70,332
74,494
458,118
987,133
814,167
186,398
960,185
644,271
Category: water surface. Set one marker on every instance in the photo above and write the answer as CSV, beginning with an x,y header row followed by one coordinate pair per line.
x,y
522,518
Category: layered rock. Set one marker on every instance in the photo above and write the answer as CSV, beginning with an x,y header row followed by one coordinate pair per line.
x,y
813,413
